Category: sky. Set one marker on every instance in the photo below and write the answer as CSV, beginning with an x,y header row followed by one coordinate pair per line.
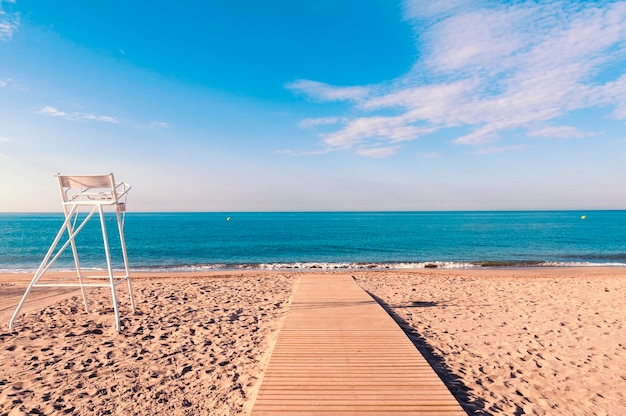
x,y
316,105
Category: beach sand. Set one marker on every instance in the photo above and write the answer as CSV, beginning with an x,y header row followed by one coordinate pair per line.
x,y
197,346
535,341
538,341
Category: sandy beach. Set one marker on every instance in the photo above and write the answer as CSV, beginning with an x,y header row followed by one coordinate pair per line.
x,y
197,346
537,341
546,341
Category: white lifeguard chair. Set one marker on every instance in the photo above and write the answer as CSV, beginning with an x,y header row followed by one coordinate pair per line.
x,y
95,193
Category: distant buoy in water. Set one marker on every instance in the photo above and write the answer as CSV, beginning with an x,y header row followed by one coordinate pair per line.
x,y
227,218
583,217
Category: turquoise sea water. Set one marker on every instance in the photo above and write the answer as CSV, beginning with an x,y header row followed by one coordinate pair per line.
x,y
330,240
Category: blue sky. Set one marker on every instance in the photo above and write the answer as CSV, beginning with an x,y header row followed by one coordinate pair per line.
x,y
316,105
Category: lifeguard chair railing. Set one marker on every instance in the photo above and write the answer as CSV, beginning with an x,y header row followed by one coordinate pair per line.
x,y
94,194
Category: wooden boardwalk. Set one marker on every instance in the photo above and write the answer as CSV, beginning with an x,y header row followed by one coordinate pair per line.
x,y
340,353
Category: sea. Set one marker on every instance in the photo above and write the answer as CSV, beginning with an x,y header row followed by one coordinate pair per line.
x,y
324,240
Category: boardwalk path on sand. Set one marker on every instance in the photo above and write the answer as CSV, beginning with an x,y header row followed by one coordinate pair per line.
x,y
340,353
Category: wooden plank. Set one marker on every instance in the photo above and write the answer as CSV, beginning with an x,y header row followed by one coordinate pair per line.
x,y
339,353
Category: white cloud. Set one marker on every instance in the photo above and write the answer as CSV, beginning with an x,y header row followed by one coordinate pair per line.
x,y
430,155
324,92
76,116
312,122
483,135
496,149
9,22
154,125
473,40
378,152
561,132
393,129
159,125
420,98
489,67
430,9
11,83
51,111
8,28
294,153
613,93
93,117
5,139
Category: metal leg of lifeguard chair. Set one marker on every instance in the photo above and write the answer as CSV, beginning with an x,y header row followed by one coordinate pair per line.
x,y
40,271
46,263
109,268
76,261
120,228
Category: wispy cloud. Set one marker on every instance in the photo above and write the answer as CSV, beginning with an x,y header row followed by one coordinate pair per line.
x,y
153,125
560,132
11,83
319,121
489,67
76,116
5,139
496,149
359,130
9,20
295,153
430,155
378,152
324,92
614,93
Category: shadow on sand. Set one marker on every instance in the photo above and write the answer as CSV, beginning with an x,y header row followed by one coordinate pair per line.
x,y
472,405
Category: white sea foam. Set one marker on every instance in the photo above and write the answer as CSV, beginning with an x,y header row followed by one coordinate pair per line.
x,y
327,266
330,266
579,264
